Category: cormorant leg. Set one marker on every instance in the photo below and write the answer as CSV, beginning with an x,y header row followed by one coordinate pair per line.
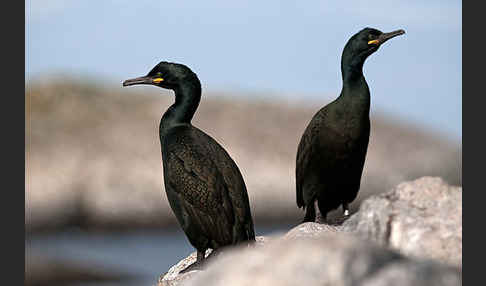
x,y
200,256
197,265
320,217
310,213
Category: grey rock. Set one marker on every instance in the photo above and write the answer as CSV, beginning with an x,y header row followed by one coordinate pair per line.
x,y
331,258
310,229
421,218
173,277
416,273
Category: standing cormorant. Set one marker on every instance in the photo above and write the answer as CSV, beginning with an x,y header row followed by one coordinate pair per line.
x,y
204,186
332,150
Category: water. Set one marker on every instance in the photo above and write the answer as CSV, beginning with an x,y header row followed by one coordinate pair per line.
x,y
146,254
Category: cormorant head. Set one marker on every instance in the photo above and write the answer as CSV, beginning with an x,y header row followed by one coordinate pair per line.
x,y
167,75
364,43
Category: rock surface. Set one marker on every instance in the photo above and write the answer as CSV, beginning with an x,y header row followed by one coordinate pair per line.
x,y
310,229
172,277
421,218
411,235
328,259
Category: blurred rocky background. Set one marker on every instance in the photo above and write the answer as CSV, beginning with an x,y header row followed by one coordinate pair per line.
x,y
93,155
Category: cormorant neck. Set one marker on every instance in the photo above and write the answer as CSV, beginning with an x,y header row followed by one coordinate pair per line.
x,y
355,86
187,99
352,68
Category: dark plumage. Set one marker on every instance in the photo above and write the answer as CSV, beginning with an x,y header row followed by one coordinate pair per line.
x,y
332,150
204,186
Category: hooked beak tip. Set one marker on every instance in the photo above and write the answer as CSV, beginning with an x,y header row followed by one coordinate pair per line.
x,y
138,80
387,36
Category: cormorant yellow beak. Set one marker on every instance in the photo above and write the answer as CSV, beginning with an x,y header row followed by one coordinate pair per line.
x,y
157,80
373,42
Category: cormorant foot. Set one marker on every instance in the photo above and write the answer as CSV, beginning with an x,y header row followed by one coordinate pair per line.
x,y
197,265
321,219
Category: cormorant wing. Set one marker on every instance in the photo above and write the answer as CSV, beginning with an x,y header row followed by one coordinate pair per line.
x,y
311,153
201,189
302,162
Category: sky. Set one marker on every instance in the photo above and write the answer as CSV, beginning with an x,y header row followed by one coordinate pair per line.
x,y
280,48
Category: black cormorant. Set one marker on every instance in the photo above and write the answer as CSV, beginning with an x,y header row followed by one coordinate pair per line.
x,y
332,150
203,184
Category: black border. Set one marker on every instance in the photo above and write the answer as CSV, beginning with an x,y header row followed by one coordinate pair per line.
x,y
13,141
473,124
